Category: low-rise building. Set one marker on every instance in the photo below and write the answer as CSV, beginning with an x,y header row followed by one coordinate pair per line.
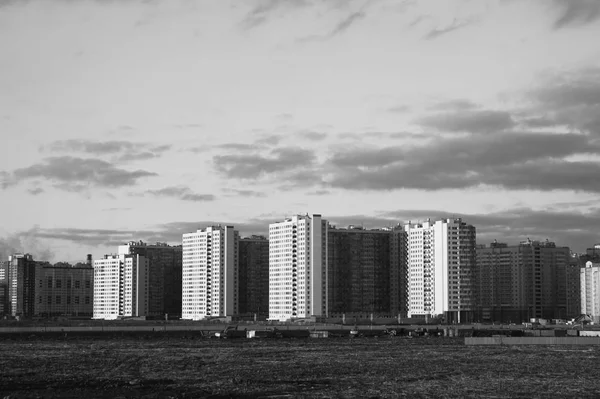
x,y
43,290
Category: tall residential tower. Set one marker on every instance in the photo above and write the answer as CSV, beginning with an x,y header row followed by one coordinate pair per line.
x,y
210,273
298,268
440,265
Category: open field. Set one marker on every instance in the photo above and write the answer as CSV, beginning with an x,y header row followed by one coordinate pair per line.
x,y
157,366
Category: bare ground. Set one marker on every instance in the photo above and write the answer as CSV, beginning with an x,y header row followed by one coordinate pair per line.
x,y
160,367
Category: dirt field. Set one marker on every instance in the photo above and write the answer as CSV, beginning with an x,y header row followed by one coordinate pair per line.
x,y
159,367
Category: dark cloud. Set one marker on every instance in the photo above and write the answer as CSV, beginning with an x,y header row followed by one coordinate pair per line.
x,y
25,242
268,140
568,99
576,88
180,192
35,191
455,25
577,230
124,150
576,12
198,150
97,237
90,147
538,122
381,135
319,192
344,24
239,146
264,10
511,161
418,20
314,136
471,121
458,104
340,28
253,166
78,173
244,193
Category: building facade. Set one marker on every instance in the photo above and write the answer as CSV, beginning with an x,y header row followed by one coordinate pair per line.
x,y
39,289
531,280
440,267
298,268
254,276
121,286
361,277
164,276
4,288
210,273
590,290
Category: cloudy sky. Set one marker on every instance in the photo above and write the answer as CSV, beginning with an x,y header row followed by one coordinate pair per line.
x,y
124,120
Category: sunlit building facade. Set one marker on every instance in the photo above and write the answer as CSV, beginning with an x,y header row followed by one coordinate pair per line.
x,y
120,286
590,290
298,268
440,266
210,276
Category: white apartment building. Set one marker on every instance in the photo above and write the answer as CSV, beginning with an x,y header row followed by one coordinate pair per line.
x,y
210,273
440,263
298,268
590,290
120,286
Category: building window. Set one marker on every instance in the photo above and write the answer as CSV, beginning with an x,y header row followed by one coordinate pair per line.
x,y
87,300
68,300
58,283
76,300
49,299
49,282
77,284
88,284
69,283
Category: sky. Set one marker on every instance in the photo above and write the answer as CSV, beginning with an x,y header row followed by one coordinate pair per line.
x,y
144,120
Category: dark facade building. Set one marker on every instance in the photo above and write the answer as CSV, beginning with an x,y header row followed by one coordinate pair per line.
x,y
531,280
43,290
363,277
4,288
253,296
164,276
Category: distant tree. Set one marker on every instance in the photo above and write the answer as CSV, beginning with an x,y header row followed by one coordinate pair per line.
x,y
62,264
80,264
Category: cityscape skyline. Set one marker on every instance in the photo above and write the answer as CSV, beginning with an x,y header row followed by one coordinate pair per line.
x,y
190,114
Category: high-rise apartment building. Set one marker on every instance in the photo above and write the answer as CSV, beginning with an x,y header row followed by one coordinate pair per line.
x,y
362,276
254,276
120,286
164,275
298,268
531,280
39,289
440,266
590,290
210,273
399,286
3,288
